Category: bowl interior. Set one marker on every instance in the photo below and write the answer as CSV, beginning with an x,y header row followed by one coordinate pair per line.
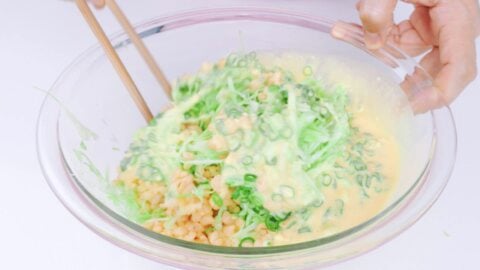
x,y
99,119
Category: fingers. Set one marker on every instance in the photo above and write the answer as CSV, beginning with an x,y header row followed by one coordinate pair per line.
x,y
377,20
421,22
349,32
98,3
422,94
431,62
426,100
456,55
346,32
427,3
421,77
457,49
408,39
418,87
472,7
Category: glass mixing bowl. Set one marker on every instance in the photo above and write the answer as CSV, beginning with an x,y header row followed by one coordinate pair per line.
x,y
88,119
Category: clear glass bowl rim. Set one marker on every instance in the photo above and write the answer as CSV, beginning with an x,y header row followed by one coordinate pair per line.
x,y
192,18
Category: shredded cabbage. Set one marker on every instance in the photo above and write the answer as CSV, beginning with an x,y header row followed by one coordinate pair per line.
x,y
267,119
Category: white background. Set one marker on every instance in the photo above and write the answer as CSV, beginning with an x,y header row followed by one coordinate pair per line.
x,y
39,38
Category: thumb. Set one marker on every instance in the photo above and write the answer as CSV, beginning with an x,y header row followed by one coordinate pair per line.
x,y
377,19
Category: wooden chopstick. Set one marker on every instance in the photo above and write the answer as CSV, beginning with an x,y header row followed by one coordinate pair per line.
x,y
115,59
142,49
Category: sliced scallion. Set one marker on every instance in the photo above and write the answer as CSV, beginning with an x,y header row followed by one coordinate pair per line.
x,y
217,200
304,229
272,161
272,223
307,71
246,240
220,126
250,177
247,160
286,191
276,197
317,203
326,180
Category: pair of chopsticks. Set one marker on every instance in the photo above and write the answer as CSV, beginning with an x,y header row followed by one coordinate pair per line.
x,y
115,59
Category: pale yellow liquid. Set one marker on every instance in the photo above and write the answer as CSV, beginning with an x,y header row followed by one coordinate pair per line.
x,y
367,117
357,210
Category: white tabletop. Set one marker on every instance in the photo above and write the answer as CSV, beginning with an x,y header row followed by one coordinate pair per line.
x,y
39,38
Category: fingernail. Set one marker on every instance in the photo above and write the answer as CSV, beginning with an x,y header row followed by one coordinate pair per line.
x,y
98,3
373,41
338,31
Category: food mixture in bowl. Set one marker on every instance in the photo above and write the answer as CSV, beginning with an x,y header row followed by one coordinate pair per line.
x,y
257,154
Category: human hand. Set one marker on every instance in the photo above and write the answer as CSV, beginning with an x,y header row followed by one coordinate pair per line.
x,y
98,3
446,29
